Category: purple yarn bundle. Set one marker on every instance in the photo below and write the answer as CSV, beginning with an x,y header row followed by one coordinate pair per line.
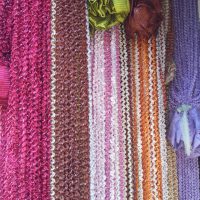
x,y
184,131
184,97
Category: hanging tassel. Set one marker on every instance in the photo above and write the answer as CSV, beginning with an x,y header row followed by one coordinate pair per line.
x,y
184,125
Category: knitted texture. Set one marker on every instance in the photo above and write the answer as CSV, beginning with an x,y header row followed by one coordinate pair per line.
x,y
172,174
98,176
169,75
26,165
184,90
71,106
148,115
107,141
53,100
148,138
188,177
125,103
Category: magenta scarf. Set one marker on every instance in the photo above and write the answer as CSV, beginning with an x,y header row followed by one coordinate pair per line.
x,y
25,137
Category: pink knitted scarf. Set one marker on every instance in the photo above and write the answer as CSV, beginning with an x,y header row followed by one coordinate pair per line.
x,y
25,137
107,142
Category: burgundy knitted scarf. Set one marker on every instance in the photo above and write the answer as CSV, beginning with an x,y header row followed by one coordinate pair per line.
x,y
71,106
25,136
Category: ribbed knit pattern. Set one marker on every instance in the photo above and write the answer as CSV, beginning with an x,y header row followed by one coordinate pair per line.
x,y
126,112
169,75
185,90
26,141
107,139
172,174
148,115
71,106
188,177
53,94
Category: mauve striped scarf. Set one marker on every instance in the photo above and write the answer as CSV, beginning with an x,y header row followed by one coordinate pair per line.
x,y
107,141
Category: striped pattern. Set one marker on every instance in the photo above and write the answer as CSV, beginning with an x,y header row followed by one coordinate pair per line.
x,y
107,141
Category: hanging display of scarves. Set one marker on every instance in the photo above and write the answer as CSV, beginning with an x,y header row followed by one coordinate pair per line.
x,y
70,139
105,14
25,138
84,88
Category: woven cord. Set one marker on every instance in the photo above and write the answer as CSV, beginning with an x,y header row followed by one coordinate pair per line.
x,y
172,174
108,90
125,103
121,136
98,96
90,57
53,94
136,125
172,178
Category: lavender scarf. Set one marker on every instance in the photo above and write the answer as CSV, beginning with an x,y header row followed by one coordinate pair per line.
x,y
184,131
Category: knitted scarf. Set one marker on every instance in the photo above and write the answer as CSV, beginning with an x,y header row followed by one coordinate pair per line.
x,y
107,141
184,97
70,138
184,92
25,138
148,115
146,124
